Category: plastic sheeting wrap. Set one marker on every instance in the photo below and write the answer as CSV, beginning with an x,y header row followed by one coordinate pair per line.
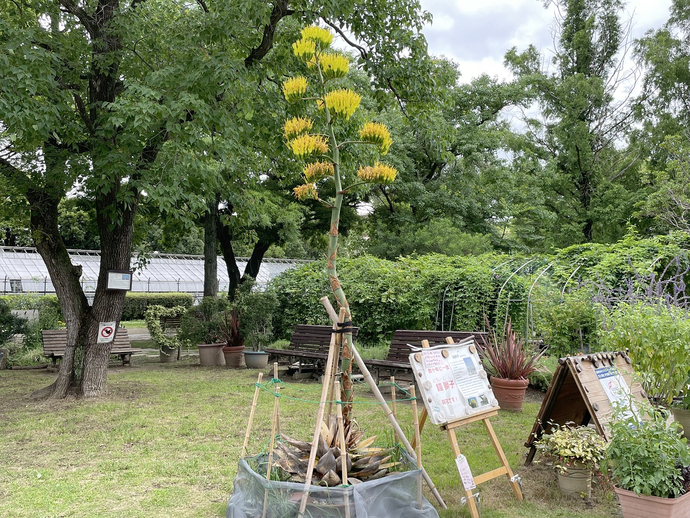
x,y
393,496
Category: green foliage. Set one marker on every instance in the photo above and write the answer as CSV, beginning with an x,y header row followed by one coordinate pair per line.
x,y
646,452
258,308
569,325
137,303
9,324
411,293
153,317
657,338
569,445
198,325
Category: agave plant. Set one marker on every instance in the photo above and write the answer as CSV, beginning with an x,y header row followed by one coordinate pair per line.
x,y
508,356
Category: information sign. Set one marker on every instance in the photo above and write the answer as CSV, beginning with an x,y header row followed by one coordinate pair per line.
x,y
452,382
120,280
106,332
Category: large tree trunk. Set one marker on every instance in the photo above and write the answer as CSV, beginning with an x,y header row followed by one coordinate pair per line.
x,y
210,249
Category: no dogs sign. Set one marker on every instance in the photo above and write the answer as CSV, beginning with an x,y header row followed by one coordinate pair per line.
x,y
106,332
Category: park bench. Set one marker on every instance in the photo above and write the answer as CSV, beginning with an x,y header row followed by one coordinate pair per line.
x,y
55,342
398,362
308,346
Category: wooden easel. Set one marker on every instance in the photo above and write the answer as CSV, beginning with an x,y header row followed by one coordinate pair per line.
x,y
489,475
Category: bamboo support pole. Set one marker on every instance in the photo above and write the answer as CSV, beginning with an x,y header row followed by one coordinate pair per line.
x,y
418,442
270,450
343,450
334,371
319,420
386,410
275,377
394,405
251,415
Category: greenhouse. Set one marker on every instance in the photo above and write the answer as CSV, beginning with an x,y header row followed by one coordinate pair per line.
x,y
22,271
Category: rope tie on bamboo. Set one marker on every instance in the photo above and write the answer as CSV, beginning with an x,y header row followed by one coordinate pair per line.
x,y
346,327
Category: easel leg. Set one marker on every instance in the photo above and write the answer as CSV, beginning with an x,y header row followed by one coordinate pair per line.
x,y
471,502
509,473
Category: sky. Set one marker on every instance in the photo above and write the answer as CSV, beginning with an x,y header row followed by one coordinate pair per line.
x,y
477,33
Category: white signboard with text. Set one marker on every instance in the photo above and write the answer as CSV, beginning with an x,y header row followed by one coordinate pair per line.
x,y
452,382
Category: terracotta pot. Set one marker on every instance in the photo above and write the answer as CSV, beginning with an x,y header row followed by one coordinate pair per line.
x,y
256,359
211,355
634,506
234,356
509,393
682,416
575,481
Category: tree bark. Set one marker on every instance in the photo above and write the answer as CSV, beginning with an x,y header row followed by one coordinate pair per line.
x,y
210,249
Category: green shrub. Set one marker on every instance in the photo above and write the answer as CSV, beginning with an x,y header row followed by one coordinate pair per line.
x,y
136,303
199,325
570,325
658,339
430,292
9,324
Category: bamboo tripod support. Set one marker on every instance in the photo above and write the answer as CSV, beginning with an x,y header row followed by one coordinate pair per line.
x,y
270,450
379,397
320,415
251,415
452,438
343,449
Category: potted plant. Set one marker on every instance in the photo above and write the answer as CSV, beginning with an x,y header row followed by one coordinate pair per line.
x,y
681,414
168,343
257,326
509,361
646,459
575,452
231,337
199,325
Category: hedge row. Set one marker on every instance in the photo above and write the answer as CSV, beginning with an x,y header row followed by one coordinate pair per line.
x,y
430,292
136,303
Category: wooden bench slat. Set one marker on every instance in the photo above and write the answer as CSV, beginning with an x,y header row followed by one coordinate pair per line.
x,y
55,342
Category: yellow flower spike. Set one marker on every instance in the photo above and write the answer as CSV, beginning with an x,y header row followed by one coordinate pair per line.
x,y
304,49
294,88
378,134
333,66
342,103
378,173
306,192
296,126
322,37
306,145
317,171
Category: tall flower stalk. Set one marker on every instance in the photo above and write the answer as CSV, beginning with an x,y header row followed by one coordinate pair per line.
x,y
322,153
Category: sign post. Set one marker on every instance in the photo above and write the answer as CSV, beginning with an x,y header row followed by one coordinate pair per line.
x,y
456,391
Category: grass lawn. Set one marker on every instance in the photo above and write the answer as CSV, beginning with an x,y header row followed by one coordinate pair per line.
x,y
165,442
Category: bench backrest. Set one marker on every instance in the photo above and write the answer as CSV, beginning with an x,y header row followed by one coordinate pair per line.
x,y
313,338
400,350
171,322
55,341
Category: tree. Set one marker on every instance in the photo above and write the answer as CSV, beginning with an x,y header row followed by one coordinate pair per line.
x,y
102,96
451,170
572,151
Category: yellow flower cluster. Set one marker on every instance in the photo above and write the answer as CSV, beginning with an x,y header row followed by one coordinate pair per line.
x,y
294,88
318,35
333,66
378,134
342,103
378,173
304,49
318,170
306,192
306,145
296,126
